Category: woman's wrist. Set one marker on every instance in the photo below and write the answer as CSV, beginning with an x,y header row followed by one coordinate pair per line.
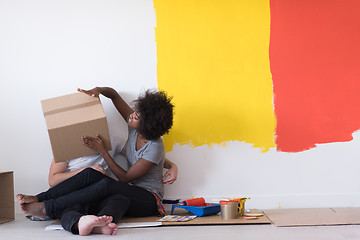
x,y
104,153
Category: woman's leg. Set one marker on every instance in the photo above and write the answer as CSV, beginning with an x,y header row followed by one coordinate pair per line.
x,y
70,217
142,202
114,205
74,220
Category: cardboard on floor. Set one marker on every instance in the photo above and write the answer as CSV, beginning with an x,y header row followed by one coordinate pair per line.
x,y
153,221
206,220
313,216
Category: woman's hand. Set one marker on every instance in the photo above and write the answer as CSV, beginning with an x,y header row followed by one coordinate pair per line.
x,y
94,143
170,175
95,92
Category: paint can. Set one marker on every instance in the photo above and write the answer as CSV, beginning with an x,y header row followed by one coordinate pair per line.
x,y
241,206
229,209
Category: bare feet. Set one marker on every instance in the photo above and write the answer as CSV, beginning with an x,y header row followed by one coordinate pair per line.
x,y
98,225
26,198
34,209
110,229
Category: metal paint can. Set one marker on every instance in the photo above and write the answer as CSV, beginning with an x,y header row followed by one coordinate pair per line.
x,y
229,209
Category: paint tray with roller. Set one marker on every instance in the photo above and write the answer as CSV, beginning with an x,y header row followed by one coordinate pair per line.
x,y
198,207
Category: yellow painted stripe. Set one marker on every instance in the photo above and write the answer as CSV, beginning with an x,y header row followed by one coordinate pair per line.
x,y
213,57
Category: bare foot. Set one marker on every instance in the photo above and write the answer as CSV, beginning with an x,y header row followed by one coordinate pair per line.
x,y
110,229
34,209
108,219
26,198
114,228
94,224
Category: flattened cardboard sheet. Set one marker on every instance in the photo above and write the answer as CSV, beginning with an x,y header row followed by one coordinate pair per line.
x,y
206,220
313,216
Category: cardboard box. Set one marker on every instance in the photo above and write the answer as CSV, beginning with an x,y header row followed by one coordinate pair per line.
x,y
70,117
7,208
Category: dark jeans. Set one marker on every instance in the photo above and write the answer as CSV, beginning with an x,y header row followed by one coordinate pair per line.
x,y
91,192
108,206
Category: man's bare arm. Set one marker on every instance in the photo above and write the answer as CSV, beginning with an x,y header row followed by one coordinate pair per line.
x,y
58,173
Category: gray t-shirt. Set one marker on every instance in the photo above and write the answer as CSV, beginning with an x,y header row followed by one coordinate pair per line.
x,y
153,151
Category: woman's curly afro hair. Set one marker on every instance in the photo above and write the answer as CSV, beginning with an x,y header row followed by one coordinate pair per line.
x,y
156,114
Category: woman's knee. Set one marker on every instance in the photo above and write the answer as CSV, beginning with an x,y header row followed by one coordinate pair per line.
x,y
104,185
121,199
117,205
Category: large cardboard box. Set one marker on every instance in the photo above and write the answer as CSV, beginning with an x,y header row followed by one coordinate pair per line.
x,y
70,117
7,209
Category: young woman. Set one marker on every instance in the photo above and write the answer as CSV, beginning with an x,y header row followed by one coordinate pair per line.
x,y
138,191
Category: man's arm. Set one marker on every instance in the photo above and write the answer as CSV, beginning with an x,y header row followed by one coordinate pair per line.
x,y
58,173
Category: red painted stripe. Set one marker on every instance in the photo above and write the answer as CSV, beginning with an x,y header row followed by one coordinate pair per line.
x,y
315,64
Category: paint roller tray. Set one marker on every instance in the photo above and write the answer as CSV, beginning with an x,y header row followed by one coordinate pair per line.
x,y
200,211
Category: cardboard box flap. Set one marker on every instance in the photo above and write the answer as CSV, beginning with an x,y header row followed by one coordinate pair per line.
x,y
67,102
74,116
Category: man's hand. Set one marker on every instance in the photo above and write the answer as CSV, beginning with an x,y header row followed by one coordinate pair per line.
x,y
94,143
95,92
99,168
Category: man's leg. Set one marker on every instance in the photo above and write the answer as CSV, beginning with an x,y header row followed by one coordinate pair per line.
x,y
92,193
83,179
142,202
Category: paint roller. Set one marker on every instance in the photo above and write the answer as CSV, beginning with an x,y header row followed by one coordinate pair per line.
x,y
194,202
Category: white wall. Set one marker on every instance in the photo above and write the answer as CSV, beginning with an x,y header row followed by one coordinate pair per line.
x,y
49,48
